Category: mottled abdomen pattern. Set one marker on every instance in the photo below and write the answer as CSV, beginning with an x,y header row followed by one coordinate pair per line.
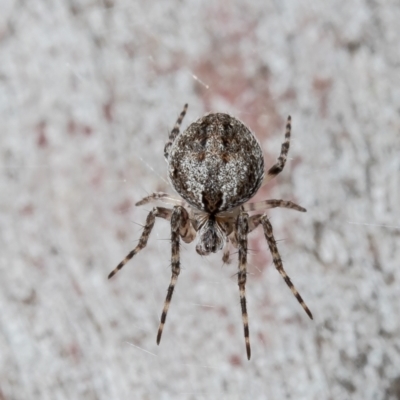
x,y
216,164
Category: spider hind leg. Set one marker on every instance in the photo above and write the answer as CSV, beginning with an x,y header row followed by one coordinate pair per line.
x,y
175,132
280,164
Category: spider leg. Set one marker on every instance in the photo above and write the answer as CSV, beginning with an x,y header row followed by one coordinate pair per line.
x,y
254,221
242,231
163,197
266,204
160,212
175,132
179,219
278,166
278,261
226,256
186,230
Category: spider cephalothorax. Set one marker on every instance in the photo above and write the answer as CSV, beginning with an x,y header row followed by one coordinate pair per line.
x,y
216,165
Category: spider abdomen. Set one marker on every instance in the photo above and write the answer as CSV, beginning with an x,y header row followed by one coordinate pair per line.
x,y
216,164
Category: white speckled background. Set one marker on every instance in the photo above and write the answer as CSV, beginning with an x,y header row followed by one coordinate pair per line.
x,y
88,92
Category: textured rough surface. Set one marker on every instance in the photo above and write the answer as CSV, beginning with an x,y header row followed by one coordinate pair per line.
x,y
89,91
216,164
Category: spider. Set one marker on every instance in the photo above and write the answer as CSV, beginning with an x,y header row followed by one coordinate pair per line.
x,y
216,165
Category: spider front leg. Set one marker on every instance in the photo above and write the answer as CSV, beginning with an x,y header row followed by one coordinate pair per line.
x,y
269,235
160,212
242,231
180,226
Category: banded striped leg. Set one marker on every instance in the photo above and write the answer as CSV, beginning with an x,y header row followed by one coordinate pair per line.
x,y
179,220
242,230
163,197
266,204
160,212
278,166
278,261
175,131
254,222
